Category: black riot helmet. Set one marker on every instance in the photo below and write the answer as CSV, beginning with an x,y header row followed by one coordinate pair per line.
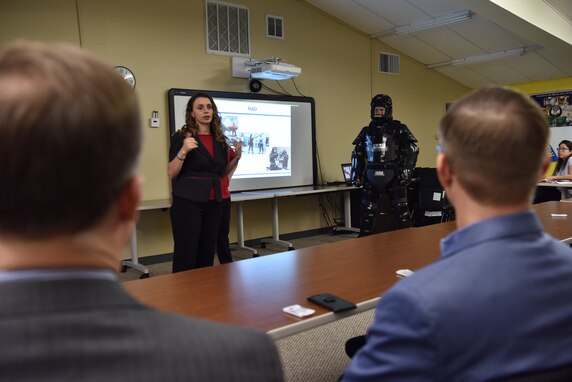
x,y
378,102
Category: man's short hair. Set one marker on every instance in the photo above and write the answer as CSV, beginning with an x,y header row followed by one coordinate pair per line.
x,y
495,140
70,137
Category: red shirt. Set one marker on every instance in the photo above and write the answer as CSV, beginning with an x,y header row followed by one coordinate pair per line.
x,y
224,182
208,141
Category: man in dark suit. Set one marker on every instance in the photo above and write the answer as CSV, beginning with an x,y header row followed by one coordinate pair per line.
x,y
497,303
70,139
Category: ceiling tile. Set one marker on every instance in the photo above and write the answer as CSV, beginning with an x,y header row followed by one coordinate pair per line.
x,y
397,12
500,72
558,61
436,8
466,76
536,67
489,30
353,14
416,49
450,43
486,35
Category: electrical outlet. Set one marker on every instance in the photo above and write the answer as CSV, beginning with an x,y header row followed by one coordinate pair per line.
x,y
154,122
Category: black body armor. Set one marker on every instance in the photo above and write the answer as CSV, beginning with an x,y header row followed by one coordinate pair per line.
x,y
383,159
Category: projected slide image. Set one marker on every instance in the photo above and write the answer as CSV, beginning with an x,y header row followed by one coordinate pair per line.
x,y
255,143
265,132
260,158
230,126
279,157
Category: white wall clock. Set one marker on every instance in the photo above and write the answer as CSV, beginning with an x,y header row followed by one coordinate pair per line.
x,y
127,75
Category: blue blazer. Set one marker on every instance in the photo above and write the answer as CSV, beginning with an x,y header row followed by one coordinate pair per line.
x,y
498,303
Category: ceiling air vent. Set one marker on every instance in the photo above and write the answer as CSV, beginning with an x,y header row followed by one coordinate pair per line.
x,y
389,63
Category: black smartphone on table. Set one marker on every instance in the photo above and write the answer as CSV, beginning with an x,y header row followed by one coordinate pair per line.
x,y
331,302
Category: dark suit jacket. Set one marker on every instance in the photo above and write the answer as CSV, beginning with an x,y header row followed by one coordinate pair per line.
x,y
92,330
200,171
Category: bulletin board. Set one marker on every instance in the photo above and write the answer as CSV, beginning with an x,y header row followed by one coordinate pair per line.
x,y
556,106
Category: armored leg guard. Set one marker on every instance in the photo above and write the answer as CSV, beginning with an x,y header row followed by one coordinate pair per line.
x,y
369,205
399,207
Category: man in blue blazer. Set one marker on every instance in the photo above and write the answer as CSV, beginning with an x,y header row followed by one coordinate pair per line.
x,y
497,302
70,139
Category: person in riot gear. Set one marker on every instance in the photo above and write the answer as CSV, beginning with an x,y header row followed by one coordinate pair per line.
x,y
273,156
383,159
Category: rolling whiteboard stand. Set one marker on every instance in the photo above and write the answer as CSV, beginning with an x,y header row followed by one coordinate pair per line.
x,y
240,232
275,231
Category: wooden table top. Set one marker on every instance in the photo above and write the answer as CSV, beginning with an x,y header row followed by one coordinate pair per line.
x,y
252,292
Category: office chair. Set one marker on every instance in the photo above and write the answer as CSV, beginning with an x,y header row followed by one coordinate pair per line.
x,y
430,204
546,194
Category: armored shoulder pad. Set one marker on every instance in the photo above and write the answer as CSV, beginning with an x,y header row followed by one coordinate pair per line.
x,y
360,137
406,132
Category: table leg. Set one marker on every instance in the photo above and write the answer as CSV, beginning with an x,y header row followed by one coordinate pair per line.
x,y
275,230
134,262
347,215
240,231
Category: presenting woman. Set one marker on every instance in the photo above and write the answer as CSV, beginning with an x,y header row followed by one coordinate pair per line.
x,y
198,159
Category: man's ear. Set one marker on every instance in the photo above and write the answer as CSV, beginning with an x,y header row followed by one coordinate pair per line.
x,y
443,171
130,198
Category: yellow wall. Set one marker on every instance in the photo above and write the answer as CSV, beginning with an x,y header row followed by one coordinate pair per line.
x,y
545,86
419,97
163,43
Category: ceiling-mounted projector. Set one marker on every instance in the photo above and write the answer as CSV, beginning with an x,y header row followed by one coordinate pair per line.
x,y
272,69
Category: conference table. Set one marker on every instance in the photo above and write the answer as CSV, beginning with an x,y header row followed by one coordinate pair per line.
x,y
562,184
252,293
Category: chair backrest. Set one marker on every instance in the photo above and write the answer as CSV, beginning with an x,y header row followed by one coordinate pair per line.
x,y
562,374
428,190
